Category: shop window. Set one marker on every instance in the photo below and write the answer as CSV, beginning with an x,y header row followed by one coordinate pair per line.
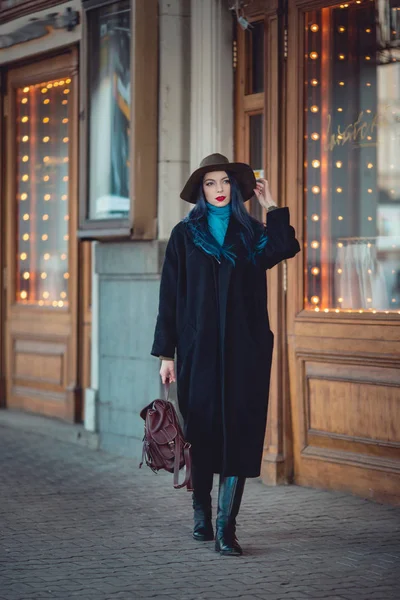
x,y
43,142
119,128
352,161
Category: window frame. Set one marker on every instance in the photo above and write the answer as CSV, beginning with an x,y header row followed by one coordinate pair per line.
x,y
141,223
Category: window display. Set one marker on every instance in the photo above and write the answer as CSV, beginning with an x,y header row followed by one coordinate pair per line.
x,y
352,160
42,193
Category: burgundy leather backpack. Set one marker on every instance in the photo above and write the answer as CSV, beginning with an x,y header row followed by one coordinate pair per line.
x,y
164,446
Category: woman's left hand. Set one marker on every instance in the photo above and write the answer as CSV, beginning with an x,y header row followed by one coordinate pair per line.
x,y
263,194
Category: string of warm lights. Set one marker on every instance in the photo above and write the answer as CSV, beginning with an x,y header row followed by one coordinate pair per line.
x,y
320,267
42,193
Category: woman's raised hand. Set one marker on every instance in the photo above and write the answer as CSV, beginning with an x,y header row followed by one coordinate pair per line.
x,y
167,371
263,194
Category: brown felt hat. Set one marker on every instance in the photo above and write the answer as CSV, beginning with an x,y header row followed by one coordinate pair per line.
x,y
217,162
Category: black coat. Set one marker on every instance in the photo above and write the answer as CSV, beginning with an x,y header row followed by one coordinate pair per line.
x,y
215,316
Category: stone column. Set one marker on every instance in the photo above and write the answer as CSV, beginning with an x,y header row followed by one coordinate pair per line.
x,y
174,111
211,118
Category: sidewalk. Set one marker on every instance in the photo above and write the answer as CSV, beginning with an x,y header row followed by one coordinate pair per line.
x,y
77,523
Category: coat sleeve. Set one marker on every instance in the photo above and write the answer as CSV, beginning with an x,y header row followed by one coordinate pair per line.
x,y
282,242
165,332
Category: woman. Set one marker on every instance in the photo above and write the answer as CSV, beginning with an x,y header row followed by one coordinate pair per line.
x,y
212,310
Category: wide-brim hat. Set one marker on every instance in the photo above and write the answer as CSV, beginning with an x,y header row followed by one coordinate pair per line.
x,y
242,172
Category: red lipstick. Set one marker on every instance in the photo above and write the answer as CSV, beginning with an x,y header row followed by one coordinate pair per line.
x,y
220,198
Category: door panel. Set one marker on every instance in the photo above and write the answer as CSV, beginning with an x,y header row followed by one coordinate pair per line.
x,y
343,189
41,247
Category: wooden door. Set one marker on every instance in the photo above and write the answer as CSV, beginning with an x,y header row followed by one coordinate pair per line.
x,y
41,254
343,188
259,133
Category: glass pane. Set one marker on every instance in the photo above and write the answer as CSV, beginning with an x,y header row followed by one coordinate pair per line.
x,y
256,124
352,163
110,90
42,193
255,58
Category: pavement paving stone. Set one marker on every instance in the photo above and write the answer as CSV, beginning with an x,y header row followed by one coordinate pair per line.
x,y
79,523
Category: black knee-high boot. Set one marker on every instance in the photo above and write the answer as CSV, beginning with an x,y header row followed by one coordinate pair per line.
x,y
202,485
229,499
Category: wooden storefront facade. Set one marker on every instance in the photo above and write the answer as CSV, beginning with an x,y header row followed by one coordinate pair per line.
x,y
318,106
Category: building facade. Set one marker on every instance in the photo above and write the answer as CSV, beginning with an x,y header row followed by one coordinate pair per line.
x,y
107,107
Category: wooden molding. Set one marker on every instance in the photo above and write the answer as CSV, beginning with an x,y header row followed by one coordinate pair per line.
x,y
26,8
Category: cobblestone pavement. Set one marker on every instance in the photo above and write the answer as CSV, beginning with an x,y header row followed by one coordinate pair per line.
x,y
76,523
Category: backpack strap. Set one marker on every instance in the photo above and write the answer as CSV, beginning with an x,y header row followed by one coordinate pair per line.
x,y
188,467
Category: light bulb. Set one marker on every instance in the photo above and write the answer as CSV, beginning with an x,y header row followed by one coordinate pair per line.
x,y
25,177
26,217
26,90
23,256
340,109
46,139
315,136
44,91
25,138
65,178
47,197
43,275
65,102
314,27
55,303
24,295
340,218
315,271
341,57
315,189
367,58
340,299
314,244
314,108
66,91
46,256
369,191
370,166
339,164
63,295
339,190
313,55
341,29
24,196
65,120
26,275
46,159
46,294
65,140
63,257
46,120
46,178
368,84
341,83
68,81
45,217
66,238
47,101
64,197
369,218
66,275
45,237
25,158
340,271
315,299
25,237
25,119
316,309
314,82
315,217
316,164
60,303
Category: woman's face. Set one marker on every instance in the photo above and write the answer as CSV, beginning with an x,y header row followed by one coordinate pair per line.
x,y
217,188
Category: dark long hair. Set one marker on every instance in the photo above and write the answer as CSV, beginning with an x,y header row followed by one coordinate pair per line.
x,y
196,222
